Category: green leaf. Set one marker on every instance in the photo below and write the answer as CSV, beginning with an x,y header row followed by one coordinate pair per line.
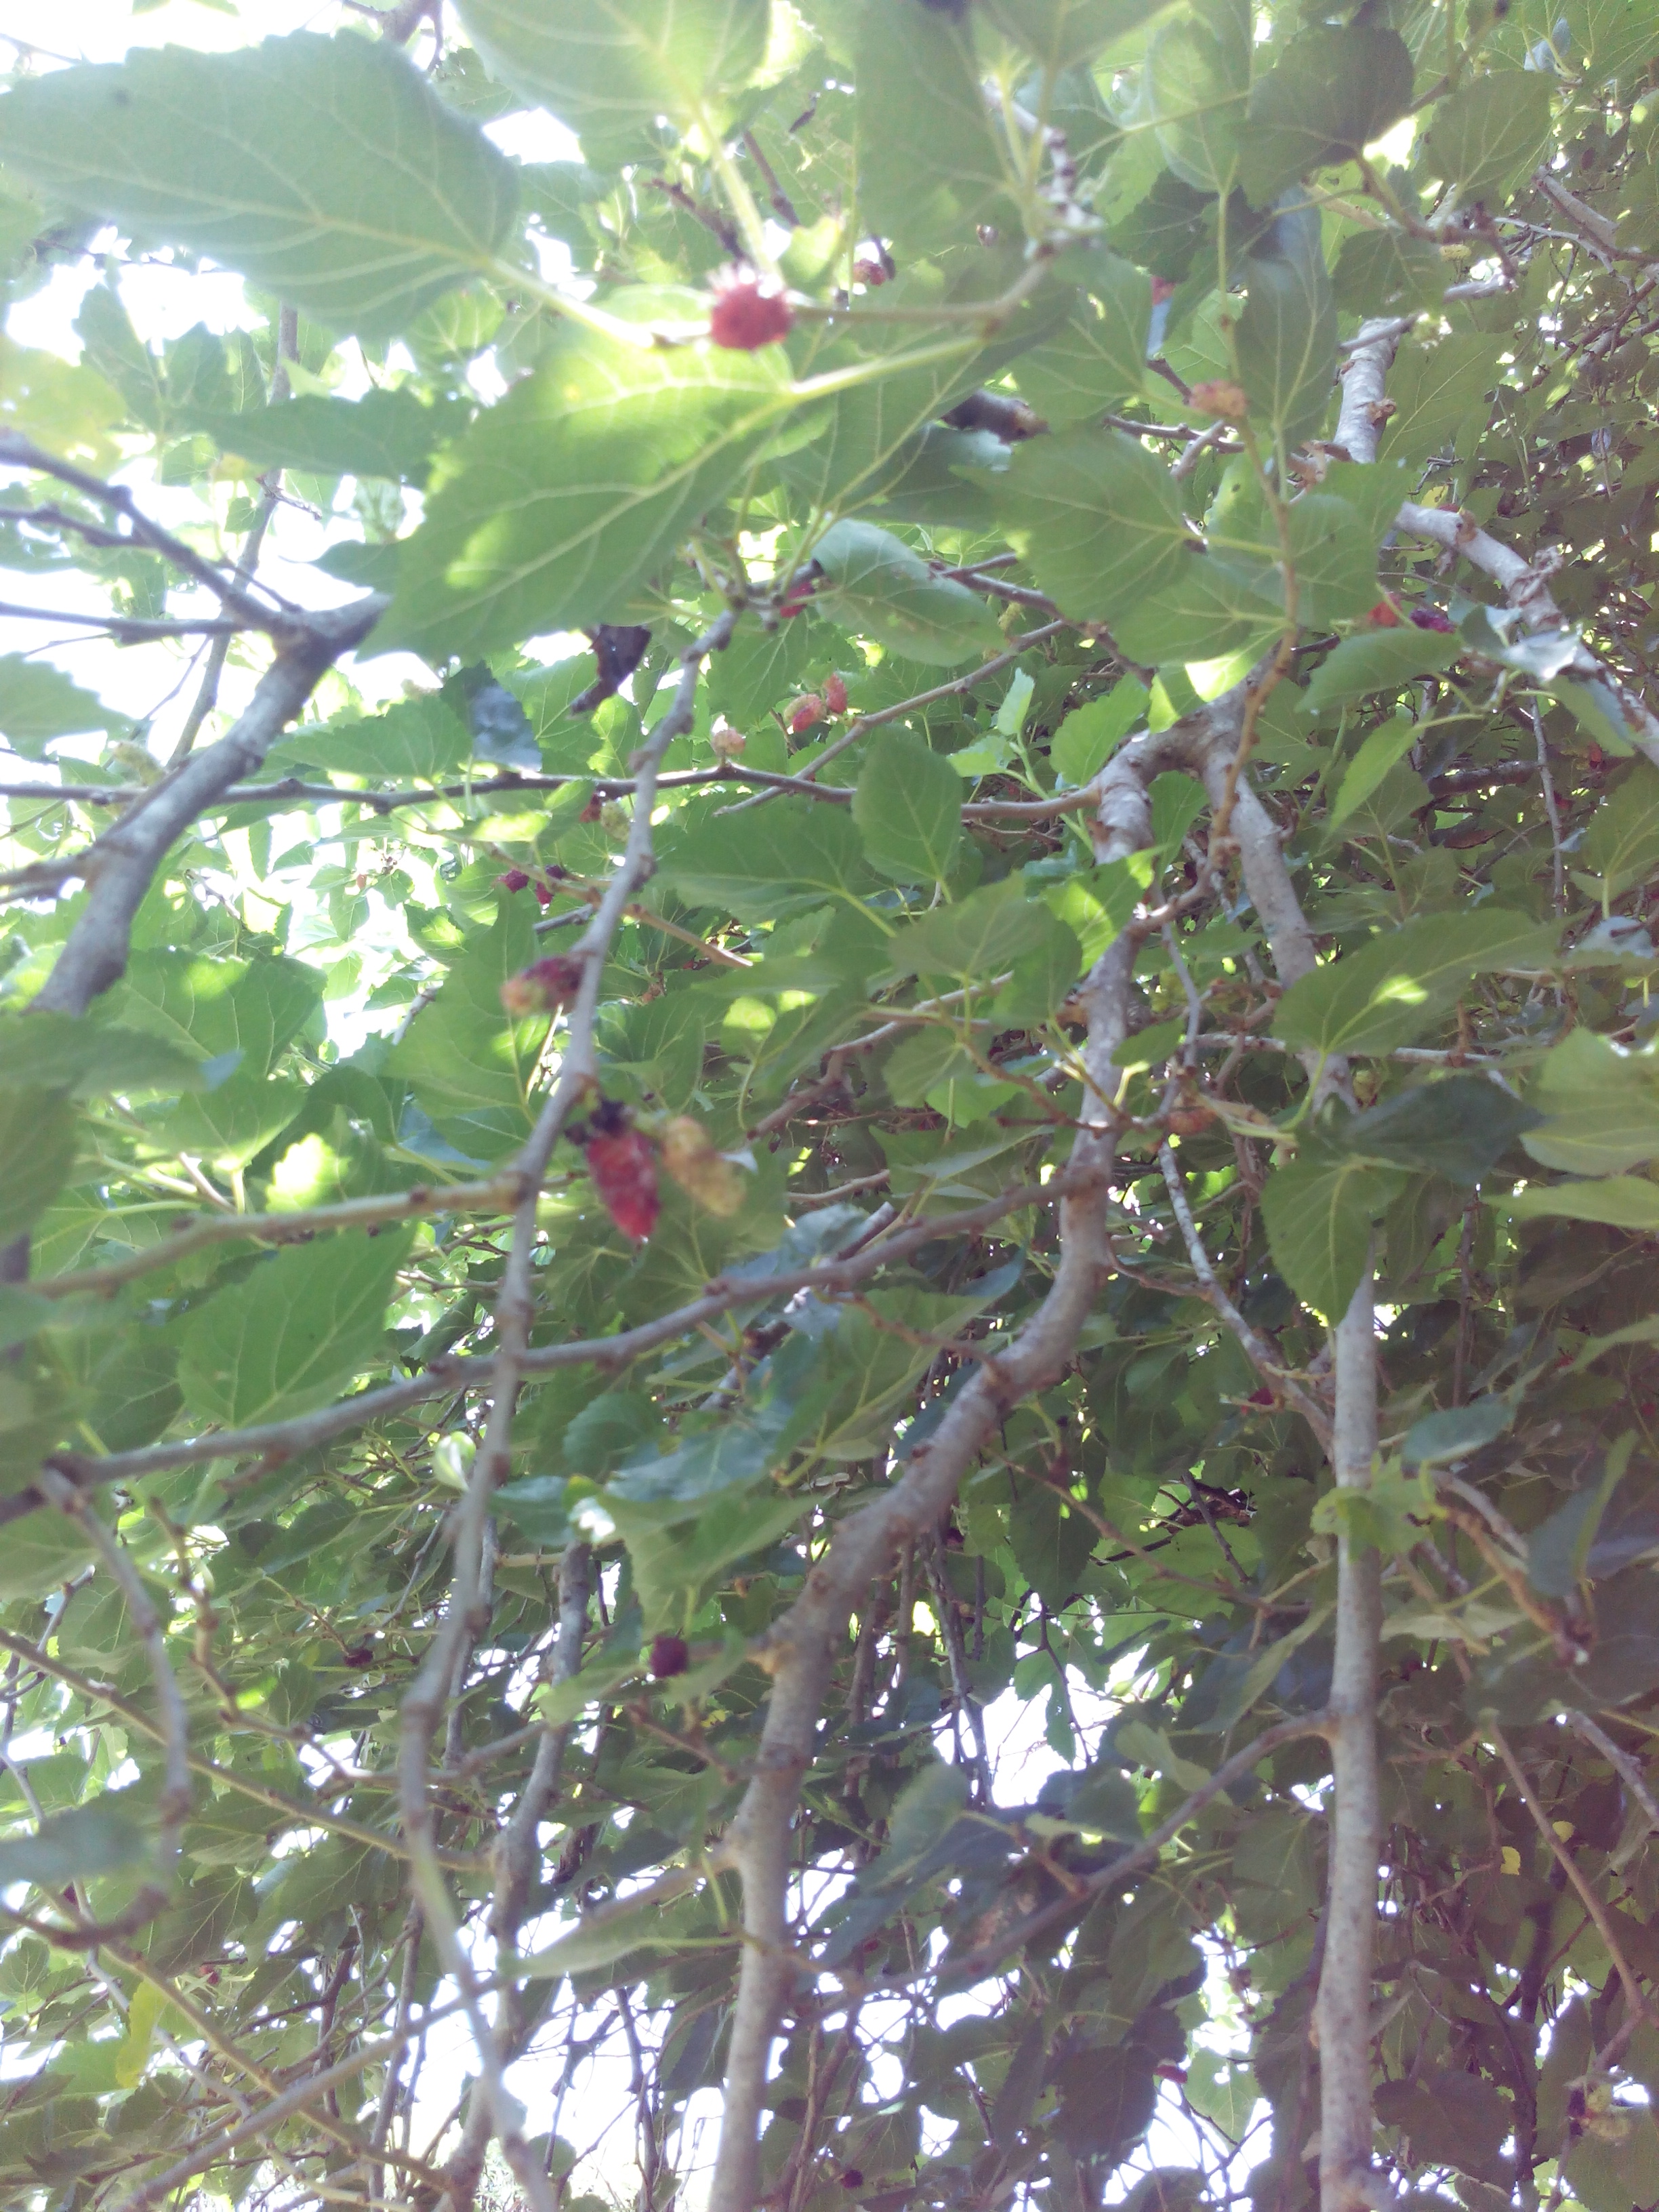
x,y
1051,1544
869,442
760,669
1195,87
1489,134
879,588
1098,360
1332,91
1602,1105
1060,33
1042,978
325,170
1456,1128
1438,390
677,1555
1439,1437
977,937
97,1837
1286,336
1096,520
293,1332
615,1932
1246,1690
110,346
384,434
1215,604
1382,661
37,1151
211,1007
229,1124
1382,272
1606,2173
1223,2089
418,737
1334,549
928,479
1393,988
38,703
907,807
42,1553
144,2016
579,485
1382,748
1452,2120
926,1809
608,68
1622,843
810,853
470,1067
1596,708
1177,803
1619,1201
90,1060
1092,733
1319,1210
930,170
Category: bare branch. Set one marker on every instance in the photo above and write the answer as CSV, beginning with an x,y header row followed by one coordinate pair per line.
x,y
1136,1860
1569,1865
281,619
297,1812
130,629
515,1310
306,1431
802,1645
499,1195
1343,2007
120,865
1259,1353
1627,1769
173,1805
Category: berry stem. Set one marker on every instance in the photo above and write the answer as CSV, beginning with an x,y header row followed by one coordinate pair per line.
x,y
741,200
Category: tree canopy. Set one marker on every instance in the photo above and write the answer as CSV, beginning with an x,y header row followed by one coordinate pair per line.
x,y
964,1043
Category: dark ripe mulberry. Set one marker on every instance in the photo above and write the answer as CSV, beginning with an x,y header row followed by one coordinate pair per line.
x,y
670,1656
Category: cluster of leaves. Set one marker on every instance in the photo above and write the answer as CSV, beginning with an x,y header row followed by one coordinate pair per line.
x,y
1071,284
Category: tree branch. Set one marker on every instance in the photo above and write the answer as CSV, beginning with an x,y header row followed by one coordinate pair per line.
x,y
306,1431
801,1648
173,1805
120,865
515,1313
1343,2006
499,1195
281,618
